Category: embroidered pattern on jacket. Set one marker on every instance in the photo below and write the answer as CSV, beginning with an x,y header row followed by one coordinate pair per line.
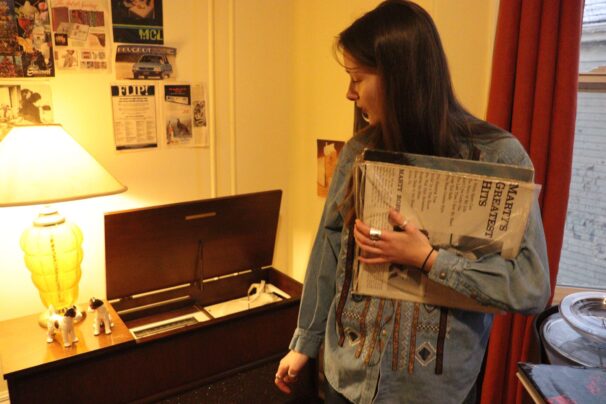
x,y
375,332
425,353
428,328
424,343
413,339
363,327
395,340
353,336
346,284
441,338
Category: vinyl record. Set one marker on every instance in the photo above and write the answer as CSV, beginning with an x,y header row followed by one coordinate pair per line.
x,y
564,345
586,314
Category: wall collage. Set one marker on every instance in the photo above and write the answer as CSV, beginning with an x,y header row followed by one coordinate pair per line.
x,y
150,108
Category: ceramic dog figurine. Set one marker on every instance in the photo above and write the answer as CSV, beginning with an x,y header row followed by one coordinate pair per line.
x,y
102,317
64,324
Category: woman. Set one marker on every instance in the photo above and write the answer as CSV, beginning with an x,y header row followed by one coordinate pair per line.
x,y
395,351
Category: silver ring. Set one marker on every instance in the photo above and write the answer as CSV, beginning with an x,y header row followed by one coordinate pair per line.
x,y
374,243
403,225
292,376
375,234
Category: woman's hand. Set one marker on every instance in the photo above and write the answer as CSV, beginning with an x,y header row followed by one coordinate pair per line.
x,y
288,370
409,246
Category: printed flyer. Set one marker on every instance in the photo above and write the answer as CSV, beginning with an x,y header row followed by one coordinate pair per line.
x,y
81,34
185,115
134,114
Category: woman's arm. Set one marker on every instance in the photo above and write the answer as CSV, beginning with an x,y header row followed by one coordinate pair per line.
x,y
520,284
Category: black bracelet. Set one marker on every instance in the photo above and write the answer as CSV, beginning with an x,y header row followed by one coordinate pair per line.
x,y
427,258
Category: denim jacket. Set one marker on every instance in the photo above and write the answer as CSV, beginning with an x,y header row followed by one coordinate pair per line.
x,y
403,352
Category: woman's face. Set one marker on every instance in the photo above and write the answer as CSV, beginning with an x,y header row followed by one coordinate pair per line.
x,y
364,89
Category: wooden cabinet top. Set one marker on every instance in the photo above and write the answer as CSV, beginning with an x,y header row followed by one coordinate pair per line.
x,y
23,346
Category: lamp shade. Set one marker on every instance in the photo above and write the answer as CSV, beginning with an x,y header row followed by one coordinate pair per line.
x,y
43,164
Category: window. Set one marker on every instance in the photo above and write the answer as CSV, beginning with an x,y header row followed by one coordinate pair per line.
x,y
583,258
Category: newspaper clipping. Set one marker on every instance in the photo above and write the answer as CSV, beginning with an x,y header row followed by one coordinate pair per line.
x,y
455,205
134,113
185,115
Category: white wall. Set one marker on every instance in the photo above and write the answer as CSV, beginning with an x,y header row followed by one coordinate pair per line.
x,y
277,89
264,73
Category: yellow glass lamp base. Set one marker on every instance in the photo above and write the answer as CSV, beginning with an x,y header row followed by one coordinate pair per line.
x,y
53,253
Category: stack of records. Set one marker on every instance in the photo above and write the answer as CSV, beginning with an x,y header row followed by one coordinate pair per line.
x,y
577,334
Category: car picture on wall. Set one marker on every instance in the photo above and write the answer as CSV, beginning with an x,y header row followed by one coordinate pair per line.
x,y
152,65
145,62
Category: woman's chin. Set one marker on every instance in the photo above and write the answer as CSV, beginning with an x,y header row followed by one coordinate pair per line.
x,y
372,121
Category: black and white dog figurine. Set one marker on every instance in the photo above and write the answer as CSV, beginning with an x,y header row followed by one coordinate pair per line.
x,y
65,324
102,317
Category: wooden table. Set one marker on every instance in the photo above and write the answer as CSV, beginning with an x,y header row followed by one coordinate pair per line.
x,y
116,368
28,360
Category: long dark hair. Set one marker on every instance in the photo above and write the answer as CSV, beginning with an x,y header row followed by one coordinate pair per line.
x,y
399,40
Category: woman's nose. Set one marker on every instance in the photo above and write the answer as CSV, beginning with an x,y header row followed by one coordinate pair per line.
x,y
351,95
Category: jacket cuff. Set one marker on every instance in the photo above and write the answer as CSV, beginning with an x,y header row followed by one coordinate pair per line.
x,y
446,268
306,343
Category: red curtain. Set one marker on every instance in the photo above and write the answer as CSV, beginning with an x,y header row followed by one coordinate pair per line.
x,y
533,95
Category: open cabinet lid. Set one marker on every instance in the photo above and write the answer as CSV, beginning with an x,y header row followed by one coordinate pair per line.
x,y
154,248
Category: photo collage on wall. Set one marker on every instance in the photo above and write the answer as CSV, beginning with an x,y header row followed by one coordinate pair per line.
x,y
40,37
26,48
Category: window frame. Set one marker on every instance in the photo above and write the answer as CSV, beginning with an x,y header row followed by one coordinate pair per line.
x,y
588,82
592,82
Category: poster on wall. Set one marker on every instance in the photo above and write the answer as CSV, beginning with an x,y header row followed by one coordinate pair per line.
x,y
145,62
81,34
134,115
24,104
327,156
138,21
25,39
185,115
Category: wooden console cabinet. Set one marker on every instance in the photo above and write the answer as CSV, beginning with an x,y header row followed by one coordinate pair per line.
x,y
116,368
162,263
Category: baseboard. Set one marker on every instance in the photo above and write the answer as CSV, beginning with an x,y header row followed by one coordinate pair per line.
x,y
4,397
